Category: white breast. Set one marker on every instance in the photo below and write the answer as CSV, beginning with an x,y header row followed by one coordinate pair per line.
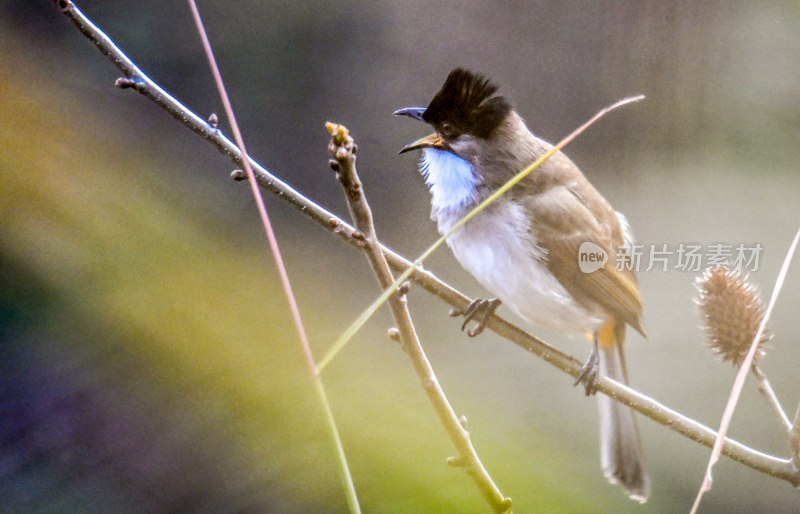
x,y
495,247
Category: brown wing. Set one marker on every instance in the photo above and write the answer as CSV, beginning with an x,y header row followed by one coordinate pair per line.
x,y
563,217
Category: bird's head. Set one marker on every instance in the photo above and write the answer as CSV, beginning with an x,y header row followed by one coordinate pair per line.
x,y
464,114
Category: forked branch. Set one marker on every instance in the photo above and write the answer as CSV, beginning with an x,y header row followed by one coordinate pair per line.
x,y
343,150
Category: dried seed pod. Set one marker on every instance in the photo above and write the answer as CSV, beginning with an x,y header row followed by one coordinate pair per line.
x,y
732,312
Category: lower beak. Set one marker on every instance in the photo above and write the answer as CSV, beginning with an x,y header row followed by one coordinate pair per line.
x,y
431,141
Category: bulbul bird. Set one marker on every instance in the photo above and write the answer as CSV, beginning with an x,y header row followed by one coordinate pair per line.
x,y
524,248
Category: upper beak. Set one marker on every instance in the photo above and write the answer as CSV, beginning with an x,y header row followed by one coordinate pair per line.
x,y
431,141
411,112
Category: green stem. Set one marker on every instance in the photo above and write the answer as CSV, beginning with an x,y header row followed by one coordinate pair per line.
x,y
344,469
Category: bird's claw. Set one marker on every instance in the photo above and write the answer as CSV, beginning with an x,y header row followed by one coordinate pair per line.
x,y
590,372
478,311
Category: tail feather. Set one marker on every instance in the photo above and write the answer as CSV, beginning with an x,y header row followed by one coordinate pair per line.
x,y
621,453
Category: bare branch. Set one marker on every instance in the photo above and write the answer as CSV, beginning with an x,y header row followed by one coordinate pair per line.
x,y
765,388
343,149
783,469
794,441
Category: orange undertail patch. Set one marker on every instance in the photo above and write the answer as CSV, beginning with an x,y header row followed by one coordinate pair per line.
x,y
607,335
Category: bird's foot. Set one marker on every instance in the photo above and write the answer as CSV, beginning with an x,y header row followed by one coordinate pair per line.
x,y
590,372
478,311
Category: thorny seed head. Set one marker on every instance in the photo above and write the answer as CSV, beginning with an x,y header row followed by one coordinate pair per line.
x,y
732,312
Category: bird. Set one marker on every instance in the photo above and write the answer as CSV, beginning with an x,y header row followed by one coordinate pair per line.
x,y
525,247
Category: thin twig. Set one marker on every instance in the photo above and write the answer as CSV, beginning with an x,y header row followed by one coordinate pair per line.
x,y
344,470
783,469
794,441
772,399
741,376
343,150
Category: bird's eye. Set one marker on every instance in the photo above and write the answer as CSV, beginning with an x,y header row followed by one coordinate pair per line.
x,y
448,130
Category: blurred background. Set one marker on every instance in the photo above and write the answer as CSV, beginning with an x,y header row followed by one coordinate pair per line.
x,y
147,358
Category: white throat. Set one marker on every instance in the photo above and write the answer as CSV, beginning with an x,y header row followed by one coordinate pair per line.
x,y
450,180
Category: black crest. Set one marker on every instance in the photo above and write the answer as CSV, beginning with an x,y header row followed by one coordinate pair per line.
x,y
467,102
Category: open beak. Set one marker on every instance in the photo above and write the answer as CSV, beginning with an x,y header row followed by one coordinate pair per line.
x,y
431,141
